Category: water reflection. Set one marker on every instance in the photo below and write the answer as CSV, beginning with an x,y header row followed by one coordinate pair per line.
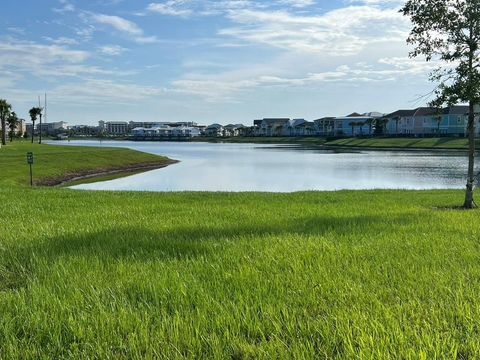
x,y
254,167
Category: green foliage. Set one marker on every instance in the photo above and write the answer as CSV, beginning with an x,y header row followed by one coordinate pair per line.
x,y
449,31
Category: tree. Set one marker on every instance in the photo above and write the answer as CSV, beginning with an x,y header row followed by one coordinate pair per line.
x,y
369,122
12,124
34,112
448,31
5,109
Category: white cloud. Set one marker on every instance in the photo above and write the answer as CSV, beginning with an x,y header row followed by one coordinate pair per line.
x,y
65,6
93,91
118,23
226,86
112,50
124,26
345,31
297,3
61,40
170,7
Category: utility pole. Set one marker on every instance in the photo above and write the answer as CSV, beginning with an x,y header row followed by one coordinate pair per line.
x,y
41,128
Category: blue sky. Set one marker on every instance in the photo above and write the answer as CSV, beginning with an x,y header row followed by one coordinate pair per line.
x,y
225,61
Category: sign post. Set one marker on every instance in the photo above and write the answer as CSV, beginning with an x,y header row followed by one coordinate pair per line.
x,y
30,163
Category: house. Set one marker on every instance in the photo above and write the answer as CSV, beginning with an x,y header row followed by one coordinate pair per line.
x,y
214,130
325,126
427,121
271,126
234,130
400,122
165,132
299,127
351,125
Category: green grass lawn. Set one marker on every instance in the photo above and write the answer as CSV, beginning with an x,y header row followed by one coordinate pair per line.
x,y
53,162
421,143
307,140
366,275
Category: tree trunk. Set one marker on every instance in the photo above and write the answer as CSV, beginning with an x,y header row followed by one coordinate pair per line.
x,y
33,130
4,132
469,201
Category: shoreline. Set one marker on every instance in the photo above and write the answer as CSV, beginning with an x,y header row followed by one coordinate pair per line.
x,y
313,142
67,178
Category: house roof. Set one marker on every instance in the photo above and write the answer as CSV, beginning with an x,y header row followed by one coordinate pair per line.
x,y
355,114
280,121
426,111
401,113
456,110
325,118
359,118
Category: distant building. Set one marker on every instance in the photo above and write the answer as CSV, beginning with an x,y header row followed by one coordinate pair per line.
x,y
271,126
214,130
325,126
426,121
84,130
165,132
21,128
149,124
234,130
52,128
114,127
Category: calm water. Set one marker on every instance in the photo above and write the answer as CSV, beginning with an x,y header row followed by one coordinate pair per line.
x,y
253,167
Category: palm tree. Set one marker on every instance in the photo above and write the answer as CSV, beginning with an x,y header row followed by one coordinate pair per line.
x,y
12,124
34,112
369,122
5,108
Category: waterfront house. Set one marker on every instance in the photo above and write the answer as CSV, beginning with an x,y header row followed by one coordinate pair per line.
x,y
234,130
214,130
299,127
353,125
272,126
426,121
325,126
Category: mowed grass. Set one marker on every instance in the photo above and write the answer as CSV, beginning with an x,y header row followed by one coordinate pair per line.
x,y
52,162
367,275
394,142
305,140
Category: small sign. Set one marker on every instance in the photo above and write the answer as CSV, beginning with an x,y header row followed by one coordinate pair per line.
x,y
30,158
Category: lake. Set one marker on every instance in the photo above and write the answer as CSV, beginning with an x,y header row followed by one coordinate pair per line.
x,y
280,168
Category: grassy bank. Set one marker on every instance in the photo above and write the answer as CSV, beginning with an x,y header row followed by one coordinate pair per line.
x,y
55,164
309,140
403,143
369,274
